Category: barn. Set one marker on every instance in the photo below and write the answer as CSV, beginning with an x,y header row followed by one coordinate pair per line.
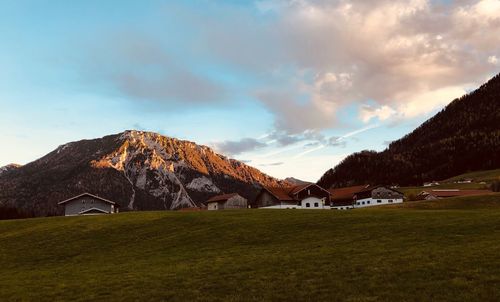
x,y
307,196
376,196
226,201
88,204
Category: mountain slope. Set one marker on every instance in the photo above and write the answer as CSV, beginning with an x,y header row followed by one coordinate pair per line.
x,y
139,170
463,137
8,168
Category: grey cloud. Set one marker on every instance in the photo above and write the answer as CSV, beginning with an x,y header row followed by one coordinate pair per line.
x,y
239,146
140,67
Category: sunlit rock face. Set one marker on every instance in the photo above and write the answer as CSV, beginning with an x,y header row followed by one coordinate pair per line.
x,y
139,170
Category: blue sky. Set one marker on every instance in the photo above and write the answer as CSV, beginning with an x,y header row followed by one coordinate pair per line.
x,y
290,87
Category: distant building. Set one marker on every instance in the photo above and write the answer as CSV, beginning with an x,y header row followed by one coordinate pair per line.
x,y
447,193
88,204
377,195
343,198
226,201
431,184
464,181
306,196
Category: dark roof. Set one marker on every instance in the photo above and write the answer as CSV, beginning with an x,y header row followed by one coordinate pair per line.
x,y
220,198
345,193
280,193
89,195
455,192
287,194
371,188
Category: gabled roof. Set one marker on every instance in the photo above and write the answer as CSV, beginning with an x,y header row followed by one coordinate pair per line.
x,y
371,188
89,195
220,198
93,210
346,193
287,194
280,193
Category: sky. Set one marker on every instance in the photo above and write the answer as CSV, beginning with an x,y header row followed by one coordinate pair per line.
x,y
289,87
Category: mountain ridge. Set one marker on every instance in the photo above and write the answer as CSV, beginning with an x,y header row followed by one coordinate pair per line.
x,y
463,137
138,169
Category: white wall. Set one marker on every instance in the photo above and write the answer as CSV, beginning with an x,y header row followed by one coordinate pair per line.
x,y
310,200
313,202
348,207
212,206
370,202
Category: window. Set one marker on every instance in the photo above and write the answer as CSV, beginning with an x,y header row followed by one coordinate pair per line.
x,y
363,202
368,202
390,200
379,201
308,205
316,205
358,203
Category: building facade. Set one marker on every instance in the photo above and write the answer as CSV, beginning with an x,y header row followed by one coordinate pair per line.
x,y
376,196
226,201
307,196
88,204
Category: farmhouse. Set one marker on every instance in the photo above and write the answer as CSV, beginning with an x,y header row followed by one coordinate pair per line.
x,y
226,201
377,195
343,198
447,193
88,204
307,196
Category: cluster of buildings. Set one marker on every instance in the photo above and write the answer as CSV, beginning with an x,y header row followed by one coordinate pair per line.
x,y
306,196
311,197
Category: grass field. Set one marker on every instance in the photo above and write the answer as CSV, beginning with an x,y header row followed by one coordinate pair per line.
x,y
384,254
487,176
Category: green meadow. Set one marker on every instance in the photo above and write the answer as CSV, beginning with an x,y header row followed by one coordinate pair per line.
x,y
416,252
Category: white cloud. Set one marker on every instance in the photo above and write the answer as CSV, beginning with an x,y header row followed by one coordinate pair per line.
x,y
493,60
383,113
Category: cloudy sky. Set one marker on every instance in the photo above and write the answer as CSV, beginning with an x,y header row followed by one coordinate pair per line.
x,y
290,87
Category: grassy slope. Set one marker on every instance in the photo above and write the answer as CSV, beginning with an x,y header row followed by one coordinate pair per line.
x,y
368,255
479,176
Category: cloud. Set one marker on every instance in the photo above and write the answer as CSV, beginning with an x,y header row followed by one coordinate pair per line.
x,y
306,60
239,146
271,164
391,53
141,68
493,60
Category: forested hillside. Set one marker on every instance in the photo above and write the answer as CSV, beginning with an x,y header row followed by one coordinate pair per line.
x,y
463,137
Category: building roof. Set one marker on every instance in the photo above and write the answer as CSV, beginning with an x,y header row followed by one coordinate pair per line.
x,y
345,193
89,195
371,188
443,193
220,198
287,194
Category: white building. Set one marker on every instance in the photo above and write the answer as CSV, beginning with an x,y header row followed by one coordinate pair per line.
x,y
307,196
376,196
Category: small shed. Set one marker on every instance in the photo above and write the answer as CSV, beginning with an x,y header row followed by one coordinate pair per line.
x,y
88,204
226,201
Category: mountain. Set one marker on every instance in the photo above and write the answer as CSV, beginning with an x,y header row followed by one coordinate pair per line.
x,y
296,182
139,170
463,137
